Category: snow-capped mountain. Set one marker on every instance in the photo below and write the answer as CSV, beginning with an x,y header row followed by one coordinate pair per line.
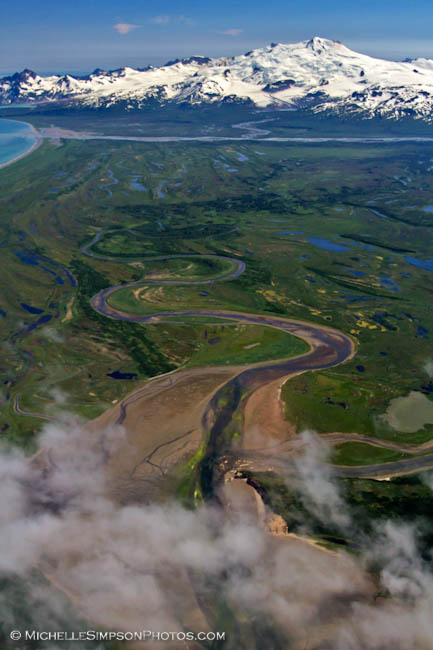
x,y
320,74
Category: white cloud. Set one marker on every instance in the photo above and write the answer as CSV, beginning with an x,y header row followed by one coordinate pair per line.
x,y
160,20
230,32
124,28
428,367
114,557
317,486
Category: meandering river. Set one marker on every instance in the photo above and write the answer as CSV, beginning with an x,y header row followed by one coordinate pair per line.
x,y
328,347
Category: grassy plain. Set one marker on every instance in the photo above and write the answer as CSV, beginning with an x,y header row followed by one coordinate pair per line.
x,y
243,344
359,453
335,234
330,233
218,120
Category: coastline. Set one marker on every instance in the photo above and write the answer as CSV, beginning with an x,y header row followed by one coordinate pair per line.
x,y
34,146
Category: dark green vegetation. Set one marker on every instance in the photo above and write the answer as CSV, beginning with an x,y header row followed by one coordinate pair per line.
x,y
241,344
331,233
212,121
144,352
328,402
142,240
369,504
359,453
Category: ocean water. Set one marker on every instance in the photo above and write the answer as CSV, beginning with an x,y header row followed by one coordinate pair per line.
x,y
15,139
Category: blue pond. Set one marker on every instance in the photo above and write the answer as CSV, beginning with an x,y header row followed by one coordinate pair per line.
x,y
365,247
136,185
30,258
427,265
70,277
121,375
30,309
43,319
359,274
422,332
388,283
327,245
428,208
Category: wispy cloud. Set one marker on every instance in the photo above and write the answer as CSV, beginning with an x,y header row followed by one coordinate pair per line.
x,y
428,367
186,20
160,20
124,28
318,488
164,20
114,559
230,32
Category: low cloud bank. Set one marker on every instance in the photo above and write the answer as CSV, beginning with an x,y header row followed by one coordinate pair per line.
x,y
163,567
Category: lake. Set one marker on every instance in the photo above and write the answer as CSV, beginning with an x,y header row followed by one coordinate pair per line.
x,y
410,413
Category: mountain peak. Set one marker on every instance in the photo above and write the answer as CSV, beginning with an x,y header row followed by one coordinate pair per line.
x,y
318,44
319,74
200,60
25,75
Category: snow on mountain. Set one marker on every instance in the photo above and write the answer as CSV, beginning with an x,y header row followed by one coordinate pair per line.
x,y
321,74
422,63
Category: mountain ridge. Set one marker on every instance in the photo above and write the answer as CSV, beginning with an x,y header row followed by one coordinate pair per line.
x,y
320,74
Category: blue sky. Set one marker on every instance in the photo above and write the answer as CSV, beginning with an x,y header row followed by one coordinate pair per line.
x,y
77,36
